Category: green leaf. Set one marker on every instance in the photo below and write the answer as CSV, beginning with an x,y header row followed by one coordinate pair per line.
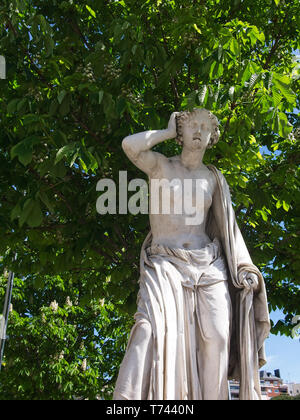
x,y
242,183
234,46
91,11
268,80
12,106
253,80
256,35
16,212
18,149
45,199
87,160
27,209
66,151
283,84
277,98
245,73
26,157
285,205
61,96
109,108
35,216
22,103
64,108
24,149
197,29
264,215
29,119
73,160
281,125
216,70
59,170
59,138
49,45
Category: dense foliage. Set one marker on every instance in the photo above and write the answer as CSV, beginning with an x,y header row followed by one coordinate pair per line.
x,y
286,398
59,349
80,77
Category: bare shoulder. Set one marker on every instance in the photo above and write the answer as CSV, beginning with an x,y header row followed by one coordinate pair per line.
x,y
147,161
162,164
211,178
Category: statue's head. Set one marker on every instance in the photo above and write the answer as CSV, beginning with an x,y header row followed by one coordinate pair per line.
x,y
197,129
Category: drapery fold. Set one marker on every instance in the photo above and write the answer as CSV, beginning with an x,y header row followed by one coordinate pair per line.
x,y
185,301
251,315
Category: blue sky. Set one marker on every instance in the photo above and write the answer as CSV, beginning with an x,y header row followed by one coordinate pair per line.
x,y
283,353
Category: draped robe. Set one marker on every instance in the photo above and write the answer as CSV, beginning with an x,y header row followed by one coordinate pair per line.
x,y
168,366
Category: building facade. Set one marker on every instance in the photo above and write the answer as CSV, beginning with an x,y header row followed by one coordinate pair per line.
x,y
294,390
271,386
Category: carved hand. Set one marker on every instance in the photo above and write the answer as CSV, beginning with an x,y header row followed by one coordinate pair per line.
x,y
250,281
172,125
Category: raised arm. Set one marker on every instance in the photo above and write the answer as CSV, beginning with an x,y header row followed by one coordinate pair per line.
x,y
138,147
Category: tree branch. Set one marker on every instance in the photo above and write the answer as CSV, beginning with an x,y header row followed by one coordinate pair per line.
x,y
173,80
44,79
59,194
276,43
272,52
83,125
27,54
78,31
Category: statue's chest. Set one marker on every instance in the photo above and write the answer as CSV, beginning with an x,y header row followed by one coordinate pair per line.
x,y
181,194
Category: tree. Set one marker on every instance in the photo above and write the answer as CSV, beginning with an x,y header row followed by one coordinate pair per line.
x,y
83,75
286,397
60,350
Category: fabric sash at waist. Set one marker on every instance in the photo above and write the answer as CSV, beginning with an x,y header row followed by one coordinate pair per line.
x,y
198,267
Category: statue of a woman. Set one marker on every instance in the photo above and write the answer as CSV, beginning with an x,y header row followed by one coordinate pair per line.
x,y
202,312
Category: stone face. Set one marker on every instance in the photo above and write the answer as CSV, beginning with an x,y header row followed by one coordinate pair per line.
x,y
197,278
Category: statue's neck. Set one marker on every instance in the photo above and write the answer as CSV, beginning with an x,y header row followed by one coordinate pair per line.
x,y
192,159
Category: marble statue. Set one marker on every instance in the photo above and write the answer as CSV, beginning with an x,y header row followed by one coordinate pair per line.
x,y
202,314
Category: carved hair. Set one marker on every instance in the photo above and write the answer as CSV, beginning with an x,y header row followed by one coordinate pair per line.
x,y
186,116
